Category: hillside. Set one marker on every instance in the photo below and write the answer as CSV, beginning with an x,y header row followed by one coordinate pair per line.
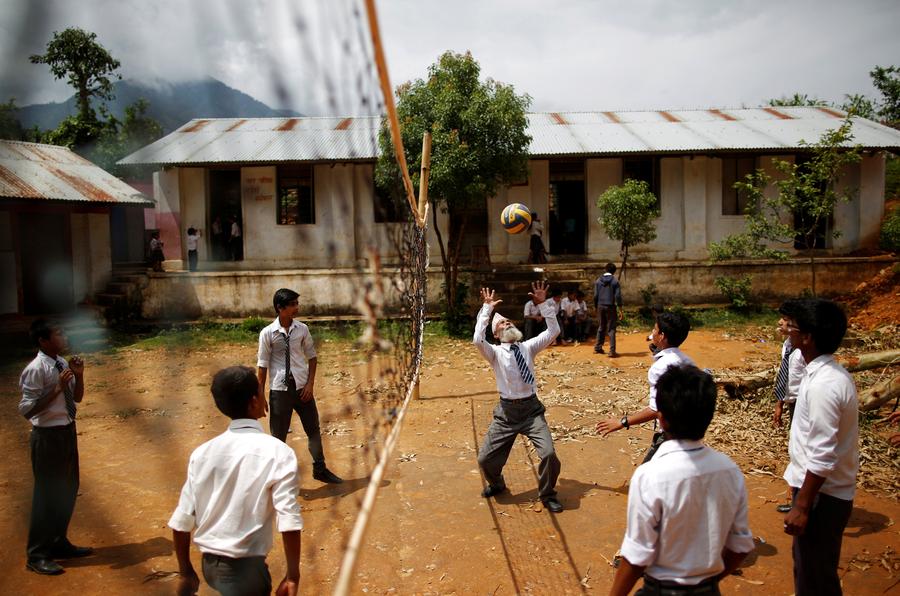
x,y
171,104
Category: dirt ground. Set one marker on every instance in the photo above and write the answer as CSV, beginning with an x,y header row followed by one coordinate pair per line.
x,y
432,533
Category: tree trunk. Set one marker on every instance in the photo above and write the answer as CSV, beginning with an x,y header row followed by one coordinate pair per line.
x,y
879,394
445,260
454,259
624,252
740,385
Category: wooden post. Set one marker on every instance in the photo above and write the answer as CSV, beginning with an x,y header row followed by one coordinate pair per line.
x,y
423,178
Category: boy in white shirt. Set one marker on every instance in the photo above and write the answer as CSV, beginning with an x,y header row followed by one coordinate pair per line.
x,y
237,485
687,508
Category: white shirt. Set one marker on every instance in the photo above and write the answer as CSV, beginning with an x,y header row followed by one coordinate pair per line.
x,y
825,429
235,230
684,506
581,310
271,353
510,384
39,378
796,368
532,309
192,241
662,360
553,304
236,484
568,306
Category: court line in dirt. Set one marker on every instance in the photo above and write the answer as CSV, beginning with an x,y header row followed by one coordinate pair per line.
x,y
528,533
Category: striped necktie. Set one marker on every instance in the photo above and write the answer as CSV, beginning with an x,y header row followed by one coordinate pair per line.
x,y
781,378
287,357
67,390
523,366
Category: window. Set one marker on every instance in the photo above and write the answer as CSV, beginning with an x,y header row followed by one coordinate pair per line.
x,y
296,201
643,168
735,169
388,208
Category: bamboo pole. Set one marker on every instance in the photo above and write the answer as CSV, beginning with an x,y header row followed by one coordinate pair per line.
x,y
393,120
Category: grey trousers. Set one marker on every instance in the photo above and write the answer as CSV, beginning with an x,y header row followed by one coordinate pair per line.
x,y
54,463
609,319
817,551
513,418
282,404
248,576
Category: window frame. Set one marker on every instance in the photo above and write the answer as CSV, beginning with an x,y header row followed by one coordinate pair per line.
x,y
298,177
739,202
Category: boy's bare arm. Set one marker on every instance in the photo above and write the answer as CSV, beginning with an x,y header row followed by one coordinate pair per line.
x,y
626,576
291,581
76,364
307,393
732,561
188,582
261,374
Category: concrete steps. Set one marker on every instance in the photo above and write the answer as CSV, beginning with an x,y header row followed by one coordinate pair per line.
x,y
121,300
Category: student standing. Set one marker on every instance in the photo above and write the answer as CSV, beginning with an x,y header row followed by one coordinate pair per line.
x,y
237,485
607,301
193,239
51,388
286,348
687,508
824,451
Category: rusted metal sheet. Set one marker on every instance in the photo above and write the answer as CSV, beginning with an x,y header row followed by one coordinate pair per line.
x,y
46,172
197,125
236,125
552,133
830,112
288,124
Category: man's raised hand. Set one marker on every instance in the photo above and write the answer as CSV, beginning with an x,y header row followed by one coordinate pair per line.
x,y
538,292
487,295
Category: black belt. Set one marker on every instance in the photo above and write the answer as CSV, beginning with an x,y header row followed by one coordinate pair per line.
x,y
669,588
519,400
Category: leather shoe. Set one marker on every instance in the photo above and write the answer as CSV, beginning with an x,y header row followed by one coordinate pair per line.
x,y
326,475
613,354
783,508
44,567
599,351
490,491
552,505
72,552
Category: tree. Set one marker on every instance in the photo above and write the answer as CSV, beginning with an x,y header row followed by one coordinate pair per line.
x,y
627,213
797,100
801,209
10,127
88,67
479,143
859,105
887,81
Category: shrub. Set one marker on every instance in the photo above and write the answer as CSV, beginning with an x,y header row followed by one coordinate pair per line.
x,y
254,325
890,231
736,289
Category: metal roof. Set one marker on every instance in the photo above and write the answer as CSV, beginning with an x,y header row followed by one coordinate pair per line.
x,y
238,140
49,172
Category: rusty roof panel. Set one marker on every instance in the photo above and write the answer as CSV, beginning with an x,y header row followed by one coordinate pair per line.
x,y
288,124
584,133
197,125
47,172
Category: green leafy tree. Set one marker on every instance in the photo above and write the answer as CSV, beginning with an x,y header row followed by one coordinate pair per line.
x,y
10,127
75,55
887,81
860,105
797,100
626,214
120,138
479,144
802,207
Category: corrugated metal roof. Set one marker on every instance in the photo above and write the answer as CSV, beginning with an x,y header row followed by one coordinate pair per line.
x,y
36,171
235,140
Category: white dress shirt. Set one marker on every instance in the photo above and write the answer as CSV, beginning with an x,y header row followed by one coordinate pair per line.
x,y
531,309
568,306
510,384
662,360
684,506
236,484
825,429
271,353
38,379
192,240
796,368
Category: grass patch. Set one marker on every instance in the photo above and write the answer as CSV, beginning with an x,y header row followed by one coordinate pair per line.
x,y
720,317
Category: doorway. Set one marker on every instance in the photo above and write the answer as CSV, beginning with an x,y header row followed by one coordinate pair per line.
x,y
46,257
225,209
568,211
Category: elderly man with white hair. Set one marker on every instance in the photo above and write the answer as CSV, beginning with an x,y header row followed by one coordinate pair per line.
x,y
519,411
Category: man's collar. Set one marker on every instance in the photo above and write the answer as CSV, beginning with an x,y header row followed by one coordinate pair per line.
x,y
660,354
673,445
818,362
245,423
47,357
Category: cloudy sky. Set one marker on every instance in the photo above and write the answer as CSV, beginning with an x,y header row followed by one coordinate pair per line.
x,y
314,55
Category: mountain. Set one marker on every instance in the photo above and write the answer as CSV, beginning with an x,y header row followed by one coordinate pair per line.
x,y
170,104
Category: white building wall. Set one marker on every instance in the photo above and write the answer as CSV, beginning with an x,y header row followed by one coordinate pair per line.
x,y
670,224
600,174
871,199
81,256
695,204
195,182
846,214
100,251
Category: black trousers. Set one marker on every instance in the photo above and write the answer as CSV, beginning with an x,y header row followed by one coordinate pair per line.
x,y
606,325
54,463
655,587
248,576
282,405
817,551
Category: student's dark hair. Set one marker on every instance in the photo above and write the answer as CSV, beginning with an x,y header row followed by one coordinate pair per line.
x,y
686,398
41,329
556,292
233,388
610,268
282,297
674,326
192,231
579,294
788,308
824,320
154,234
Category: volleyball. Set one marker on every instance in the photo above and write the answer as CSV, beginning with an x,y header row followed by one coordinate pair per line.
x,y
515,218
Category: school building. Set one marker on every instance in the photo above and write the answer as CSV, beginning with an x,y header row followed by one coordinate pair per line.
x,y
300,194
63,221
